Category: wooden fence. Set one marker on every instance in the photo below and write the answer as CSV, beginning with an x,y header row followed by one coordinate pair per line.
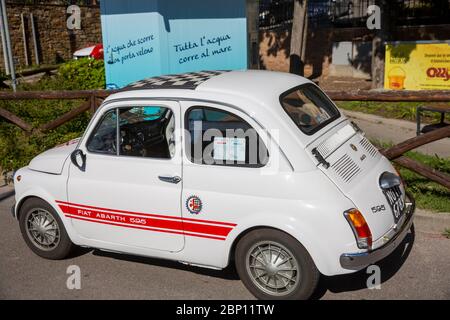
x,y
93,99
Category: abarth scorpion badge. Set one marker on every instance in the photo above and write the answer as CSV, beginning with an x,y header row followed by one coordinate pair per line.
x,y
194,204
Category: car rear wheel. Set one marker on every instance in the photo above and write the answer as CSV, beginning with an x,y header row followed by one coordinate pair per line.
x,y
273,265
43,230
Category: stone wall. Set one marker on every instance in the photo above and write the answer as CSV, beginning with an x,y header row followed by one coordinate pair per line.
x,y
274,44
55,42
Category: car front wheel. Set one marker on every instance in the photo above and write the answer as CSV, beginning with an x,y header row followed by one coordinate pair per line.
x,y
274,265
43,230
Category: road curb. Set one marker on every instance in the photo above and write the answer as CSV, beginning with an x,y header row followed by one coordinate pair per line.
x,y
431,222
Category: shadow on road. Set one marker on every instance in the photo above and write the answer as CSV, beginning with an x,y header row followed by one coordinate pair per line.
x,y
349,282
389,266
228,273
78,251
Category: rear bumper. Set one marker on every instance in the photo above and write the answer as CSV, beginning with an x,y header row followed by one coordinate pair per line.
x,y
357,261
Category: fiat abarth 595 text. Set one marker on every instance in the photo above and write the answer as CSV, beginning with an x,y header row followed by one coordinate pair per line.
x,y
255,168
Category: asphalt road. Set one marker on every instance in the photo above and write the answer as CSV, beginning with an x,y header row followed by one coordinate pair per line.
x,y
420,271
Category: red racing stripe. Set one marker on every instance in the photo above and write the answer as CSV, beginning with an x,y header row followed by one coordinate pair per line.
x,y
144,228
148,214
148,222
145,221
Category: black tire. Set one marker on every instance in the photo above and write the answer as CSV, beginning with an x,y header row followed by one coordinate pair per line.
x,y
308,273
64,245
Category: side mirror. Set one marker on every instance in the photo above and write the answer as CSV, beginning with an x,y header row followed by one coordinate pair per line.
x,y
78,158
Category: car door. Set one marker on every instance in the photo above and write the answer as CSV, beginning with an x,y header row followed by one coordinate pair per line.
x,y
128,192
227,172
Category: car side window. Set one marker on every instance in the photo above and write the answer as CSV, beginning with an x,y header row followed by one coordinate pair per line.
x,y
218,137
146,132
104,138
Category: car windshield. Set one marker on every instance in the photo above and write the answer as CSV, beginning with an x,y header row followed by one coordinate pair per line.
x,y
309,108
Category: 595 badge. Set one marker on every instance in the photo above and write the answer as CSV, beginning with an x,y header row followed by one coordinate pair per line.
x,y
379,208
194,204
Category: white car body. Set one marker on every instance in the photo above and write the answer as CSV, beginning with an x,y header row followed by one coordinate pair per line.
x,y
119,204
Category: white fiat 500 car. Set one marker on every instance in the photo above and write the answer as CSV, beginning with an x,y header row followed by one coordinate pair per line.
x,y
255,168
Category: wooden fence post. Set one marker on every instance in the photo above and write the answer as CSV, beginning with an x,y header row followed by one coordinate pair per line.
x,y
407,145
15,120
66,117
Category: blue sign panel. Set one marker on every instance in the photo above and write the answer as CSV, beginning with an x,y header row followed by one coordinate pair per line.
x,y
155,37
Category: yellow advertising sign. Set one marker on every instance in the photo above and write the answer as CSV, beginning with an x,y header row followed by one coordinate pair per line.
x,y
417,66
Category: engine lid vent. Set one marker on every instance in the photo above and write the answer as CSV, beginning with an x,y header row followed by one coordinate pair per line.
x,y
328,146
369,147
346,168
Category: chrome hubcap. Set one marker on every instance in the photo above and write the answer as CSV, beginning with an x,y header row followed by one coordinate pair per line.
x,y
42,229
273,268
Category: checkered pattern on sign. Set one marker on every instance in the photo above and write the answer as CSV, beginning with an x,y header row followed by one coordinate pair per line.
x,y
175,81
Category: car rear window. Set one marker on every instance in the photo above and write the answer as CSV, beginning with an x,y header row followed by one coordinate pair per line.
x,y
309,108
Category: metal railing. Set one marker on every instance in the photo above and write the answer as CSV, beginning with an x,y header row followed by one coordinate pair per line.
x,y
353,13
343,13
422,12
275,13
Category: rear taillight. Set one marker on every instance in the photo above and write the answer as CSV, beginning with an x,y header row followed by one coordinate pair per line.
x,y
360,228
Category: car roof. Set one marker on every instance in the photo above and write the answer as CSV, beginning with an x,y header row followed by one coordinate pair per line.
x,y
261,86
189,80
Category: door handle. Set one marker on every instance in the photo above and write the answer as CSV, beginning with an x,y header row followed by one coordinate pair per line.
x,y
170,179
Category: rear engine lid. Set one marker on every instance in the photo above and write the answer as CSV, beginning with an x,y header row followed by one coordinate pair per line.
x,y
355,165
